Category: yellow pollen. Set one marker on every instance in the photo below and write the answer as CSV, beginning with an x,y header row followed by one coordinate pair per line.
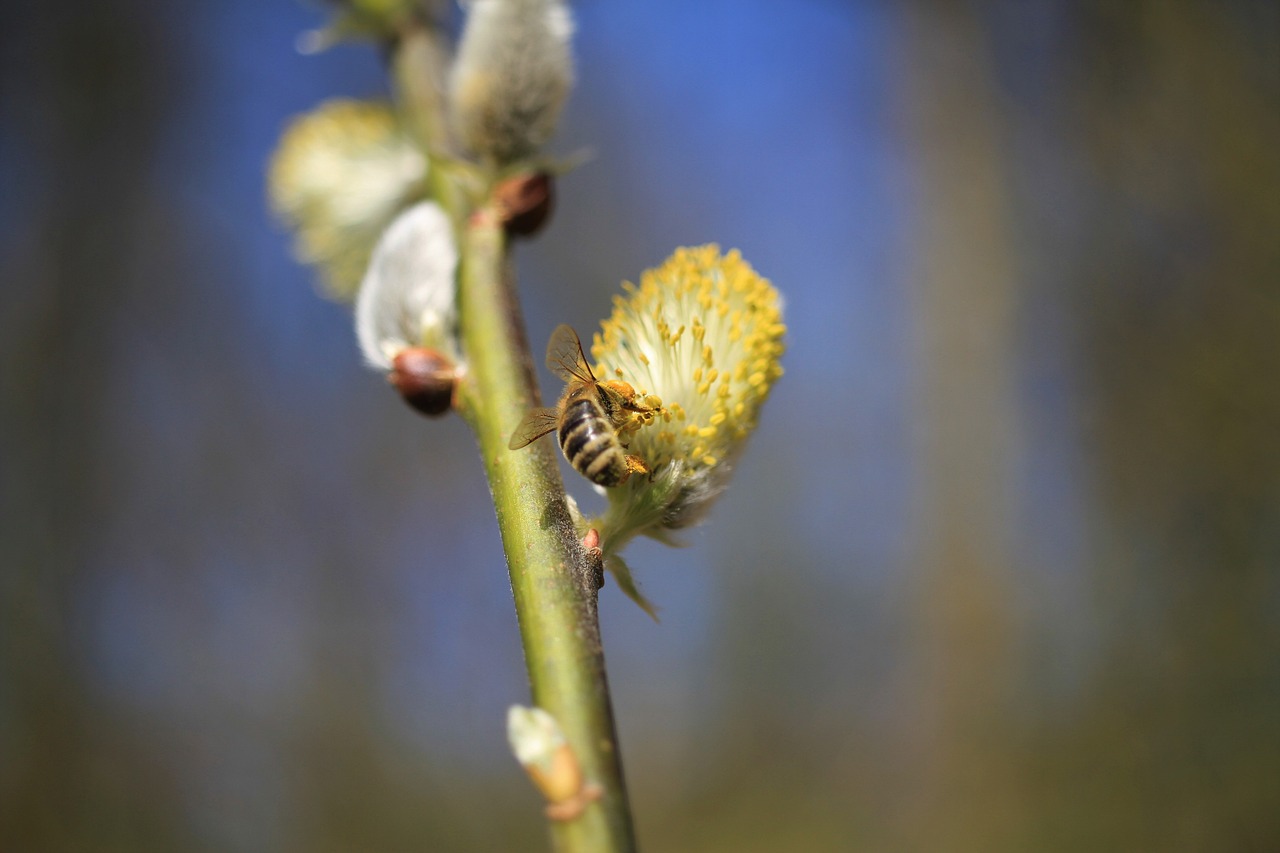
x,y
713,386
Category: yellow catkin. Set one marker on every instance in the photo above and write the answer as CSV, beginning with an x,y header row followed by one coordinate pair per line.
x,y
714,386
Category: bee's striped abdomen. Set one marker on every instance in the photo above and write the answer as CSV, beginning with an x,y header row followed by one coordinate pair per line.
x,y
589,443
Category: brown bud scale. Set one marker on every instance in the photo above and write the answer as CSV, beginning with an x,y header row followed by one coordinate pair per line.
x,y
525,202
424,378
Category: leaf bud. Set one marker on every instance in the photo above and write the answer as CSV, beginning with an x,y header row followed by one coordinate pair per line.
x,y
541,748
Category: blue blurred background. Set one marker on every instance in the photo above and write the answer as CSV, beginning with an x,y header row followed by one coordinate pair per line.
x,y
1000,572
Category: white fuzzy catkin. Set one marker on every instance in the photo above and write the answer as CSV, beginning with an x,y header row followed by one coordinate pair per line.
x,y
408,294
338,176
512,75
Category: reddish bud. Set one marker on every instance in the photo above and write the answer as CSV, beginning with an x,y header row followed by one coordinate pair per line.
x,y
525,202
424,378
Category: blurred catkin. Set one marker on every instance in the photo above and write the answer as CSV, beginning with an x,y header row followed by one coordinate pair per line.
x,y
512,75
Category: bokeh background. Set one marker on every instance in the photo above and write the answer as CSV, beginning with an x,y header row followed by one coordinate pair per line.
x,y
1001,572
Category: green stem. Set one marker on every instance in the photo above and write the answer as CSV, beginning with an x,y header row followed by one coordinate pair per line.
x,y
552,579
418,70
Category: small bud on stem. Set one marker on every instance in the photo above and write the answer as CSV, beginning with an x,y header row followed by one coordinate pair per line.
x,y
424,378
546,756
525,202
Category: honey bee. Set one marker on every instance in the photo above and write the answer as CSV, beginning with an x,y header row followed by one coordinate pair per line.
x,y
588,416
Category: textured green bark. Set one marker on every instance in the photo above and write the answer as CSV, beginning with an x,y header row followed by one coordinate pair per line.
x,y
552,579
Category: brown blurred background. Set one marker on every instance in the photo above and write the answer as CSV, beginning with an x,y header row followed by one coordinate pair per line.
x,y
1001,572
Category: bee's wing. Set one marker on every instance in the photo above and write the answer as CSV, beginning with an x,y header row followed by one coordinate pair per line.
x,y
535,425
565,358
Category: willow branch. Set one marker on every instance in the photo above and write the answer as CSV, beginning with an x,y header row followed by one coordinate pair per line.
x,y
552,579
418,69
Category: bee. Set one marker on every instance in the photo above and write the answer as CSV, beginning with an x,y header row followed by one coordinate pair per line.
x,y
588,417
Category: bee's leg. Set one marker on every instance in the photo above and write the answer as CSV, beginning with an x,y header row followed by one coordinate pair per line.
x,y
635,465
644,408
